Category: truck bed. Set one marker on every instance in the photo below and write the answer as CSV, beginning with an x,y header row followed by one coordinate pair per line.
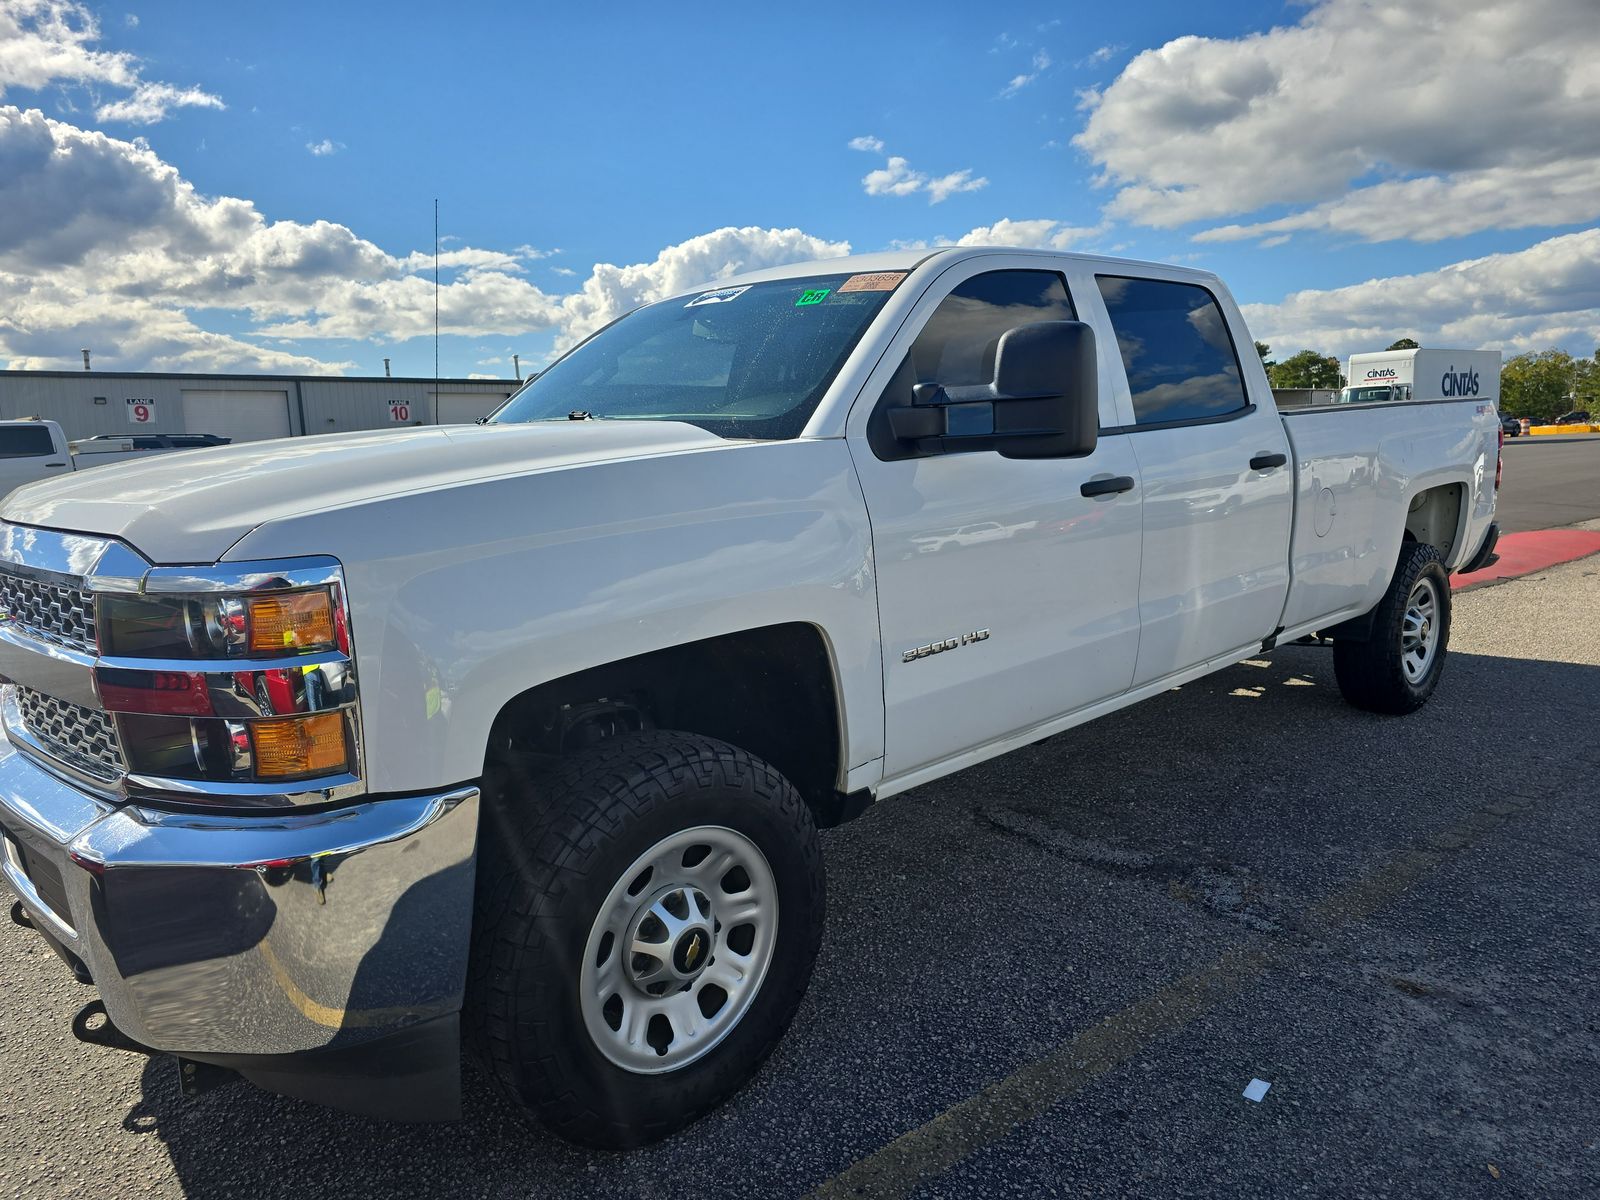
x,y
1354,465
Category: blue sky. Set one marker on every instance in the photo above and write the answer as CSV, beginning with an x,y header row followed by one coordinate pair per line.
x,y
290,164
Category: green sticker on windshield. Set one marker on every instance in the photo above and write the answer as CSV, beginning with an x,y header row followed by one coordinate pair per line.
x,y
812,296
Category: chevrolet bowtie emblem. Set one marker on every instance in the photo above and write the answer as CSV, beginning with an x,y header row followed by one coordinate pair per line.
x,y
693,952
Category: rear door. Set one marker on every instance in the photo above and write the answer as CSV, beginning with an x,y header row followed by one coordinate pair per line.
x,y
1214,467
1006,596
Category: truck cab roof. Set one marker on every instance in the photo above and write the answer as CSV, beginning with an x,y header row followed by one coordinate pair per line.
x,y
942,256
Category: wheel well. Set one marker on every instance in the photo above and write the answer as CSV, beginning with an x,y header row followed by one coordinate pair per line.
x,y
1434,517
769,691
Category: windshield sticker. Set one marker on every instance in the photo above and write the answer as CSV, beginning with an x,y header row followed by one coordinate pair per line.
x,y
812,296
876,281
720,296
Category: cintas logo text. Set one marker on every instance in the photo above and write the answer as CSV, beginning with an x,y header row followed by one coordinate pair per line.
x,y
1458,383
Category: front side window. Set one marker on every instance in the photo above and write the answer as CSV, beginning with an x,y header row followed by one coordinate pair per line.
x,y
24,441
1176,349
741,362
956,348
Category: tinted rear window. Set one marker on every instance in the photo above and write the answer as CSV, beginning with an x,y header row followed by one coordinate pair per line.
x,y
1176,349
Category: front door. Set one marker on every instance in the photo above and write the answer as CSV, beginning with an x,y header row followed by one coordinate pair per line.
x,y
1006,596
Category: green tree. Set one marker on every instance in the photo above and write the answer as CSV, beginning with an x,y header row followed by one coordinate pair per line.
x,y
1308,369
1542,385
1405,344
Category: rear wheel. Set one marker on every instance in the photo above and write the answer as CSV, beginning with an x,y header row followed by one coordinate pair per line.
x,y
648,915
1397,667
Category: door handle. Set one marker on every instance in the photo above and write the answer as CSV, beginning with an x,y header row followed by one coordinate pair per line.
x,y
1108,487
59,464
1265,462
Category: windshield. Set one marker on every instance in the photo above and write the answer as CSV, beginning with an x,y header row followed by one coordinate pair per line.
x,y
1368,395
740,362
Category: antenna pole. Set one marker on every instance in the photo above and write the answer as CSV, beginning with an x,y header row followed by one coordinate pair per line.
x,y
436,306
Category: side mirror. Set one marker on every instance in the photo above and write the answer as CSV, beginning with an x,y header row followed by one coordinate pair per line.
x,y
1043,403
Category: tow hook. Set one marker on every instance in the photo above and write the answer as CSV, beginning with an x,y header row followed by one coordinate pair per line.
x,y
19,915
196,1077
93,1026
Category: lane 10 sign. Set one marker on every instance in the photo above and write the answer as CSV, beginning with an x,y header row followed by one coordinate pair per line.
x,y
400,412
140,412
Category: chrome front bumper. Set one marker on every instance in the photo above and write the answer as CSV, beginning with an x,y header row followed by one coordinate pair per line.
x,y
268,935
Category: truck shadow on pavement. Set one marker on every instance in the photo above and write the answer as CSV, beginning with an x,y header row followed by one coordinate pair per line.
x,y
979,922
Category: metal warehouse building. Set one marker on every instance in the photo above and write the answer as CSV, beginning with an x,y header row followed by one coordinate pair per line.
x,y
242,407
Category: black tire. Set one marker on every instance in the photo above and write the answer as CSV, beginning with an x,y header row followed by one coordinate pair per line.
x,y
1372,672
551,851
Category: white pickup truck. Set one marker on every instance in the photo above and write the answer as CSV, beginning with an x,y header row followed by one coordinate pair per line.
x,y
326,754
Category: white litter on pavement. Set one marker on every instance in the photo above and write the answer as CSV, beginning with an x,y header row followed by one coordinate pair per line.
x,y
1256,1089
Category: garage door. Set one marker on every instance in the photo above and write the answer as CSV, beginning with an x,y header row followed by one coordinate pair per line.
x,y
463,408
243,416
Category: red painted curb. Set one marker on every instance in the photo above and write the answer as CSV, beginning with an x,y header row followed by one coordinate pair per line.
x,y
1525,553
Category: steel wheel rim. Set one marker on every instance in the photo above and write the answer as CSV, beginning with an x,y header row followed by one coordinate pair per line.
x,y
647,983
1419,631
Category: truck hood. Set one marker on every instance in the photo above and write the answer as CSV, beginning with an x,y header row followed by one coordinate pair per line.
x,y
191,506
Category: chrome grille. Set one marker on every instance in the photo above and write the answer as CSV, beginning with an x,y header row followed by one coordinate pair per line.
x,y
78,736
51,611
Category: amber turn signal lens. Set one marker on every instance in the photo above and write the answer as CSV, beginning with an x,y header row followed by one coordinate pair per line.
x,y
292,621
299,747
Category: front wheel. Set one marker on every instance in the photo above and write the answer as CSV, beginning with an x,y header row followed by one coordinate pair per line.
x,y
648,915
1396,668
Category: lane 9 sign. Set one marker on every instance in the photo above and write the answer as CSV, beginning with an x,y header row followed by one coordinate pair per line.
x,y
140,411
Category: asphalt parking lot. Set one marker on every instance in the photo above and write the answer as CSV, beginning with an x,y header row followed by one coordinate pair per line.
x,y
1054,975
1550,481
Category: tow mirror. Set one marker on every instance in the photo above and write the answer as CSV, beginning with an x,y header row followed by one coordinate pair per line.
x,y
1043,403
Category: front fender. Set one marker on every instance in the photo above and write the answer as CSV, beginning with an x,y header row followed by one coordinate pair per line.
x,y
466,596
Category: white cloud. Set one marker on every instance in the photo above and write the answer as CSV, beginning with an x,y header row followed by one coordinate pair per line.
x,y
1546,295
46,42
1041,62
1034,234
325,147
945,186
102,244
1101,55
896,178
1368,118
867,142
131,20
150,102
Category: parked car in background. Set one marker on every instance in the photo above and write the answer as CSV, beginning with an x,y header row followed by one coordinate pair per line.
x,y
153,441
1578,416
29,450
1512,426
32,448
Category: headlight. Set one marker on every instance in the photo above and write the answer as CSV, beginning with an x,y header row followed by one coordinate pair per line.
x,y
221,626
228,695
